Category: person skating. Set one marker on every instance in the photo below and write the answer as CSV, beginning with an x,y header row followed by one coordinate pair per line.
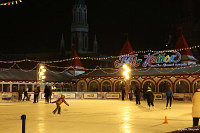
x,y
36,94
169,95
20,91
131,95
137,95
150,97
196,106
58,103
47,93
26,95
123,94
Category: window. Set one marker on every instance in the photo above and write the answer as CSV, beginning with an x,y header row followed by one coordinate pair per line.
x,y
6,87
195,85
119,85
15,88
106,86
30,87
0,87
182,87
164,86
94,86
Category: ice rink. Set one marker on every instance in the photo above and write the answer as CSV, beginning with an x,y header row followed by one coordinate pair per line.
x,y
95,116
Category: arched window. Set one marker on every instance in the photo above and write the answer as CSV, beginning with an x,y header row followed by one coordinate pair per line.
x,y
164,86
195,85
106,86
147,83
82,86
119,85
182,87
93,86
134,84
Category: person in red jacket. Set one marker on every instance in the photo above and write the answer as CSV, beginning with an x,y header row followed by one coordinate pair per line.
x,y
58,103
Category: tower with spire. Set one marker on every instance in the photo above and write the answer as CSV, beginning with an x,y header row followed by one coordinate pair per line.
x,y
79,27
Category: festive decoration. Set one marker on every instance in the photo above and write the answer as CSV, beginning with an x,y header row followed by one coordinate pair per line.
x,y
11,3
97,58
155,60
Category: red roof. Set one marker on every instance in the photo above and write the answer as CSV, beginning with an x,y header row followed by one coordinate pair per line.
x,y
76,61
181,44
127,48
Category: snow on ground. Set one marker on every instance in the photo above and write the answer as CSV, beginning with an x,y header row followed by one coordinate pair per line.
x,y
95,116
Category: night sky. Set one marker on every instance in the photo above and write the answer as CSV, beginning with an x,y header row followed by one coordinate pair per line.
x,y
36,25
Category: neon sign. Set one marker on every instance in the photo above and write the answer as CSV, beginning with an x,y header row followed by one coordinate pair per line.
x,y
169,58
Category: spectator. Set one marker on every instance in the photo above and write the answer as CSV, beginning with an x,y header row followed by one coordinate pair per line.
x,y
196,106
169,95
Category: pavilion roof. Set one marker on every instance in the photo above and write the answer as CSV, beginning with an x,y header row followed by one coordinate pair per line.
x,y
127,48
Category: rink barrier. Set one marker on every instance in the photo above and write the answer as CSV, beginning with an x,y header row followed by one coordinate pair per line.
x,y
13,96
8,96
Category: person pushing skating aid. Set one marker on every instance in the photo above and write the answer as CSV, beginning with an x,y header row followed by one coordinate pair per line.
x,y
58,103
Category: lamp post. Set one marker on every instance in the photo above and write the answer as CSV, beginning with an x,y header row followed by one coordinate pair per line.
x,y
126,73
41,73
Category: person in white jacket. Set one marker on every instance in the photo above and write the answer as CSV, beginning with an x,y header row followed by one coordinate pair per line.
x,y
196,106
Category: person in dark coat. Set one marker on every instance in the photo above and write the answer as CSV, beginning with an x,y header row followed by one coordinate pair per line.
x,y
26,95
123,93
20,91
131,94
46,93
144,93
150,97
137,95
36,94
50,92
169,95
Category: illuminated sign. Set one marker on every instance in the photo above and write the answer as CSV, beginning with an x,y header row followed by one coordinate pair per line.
x,y
160,59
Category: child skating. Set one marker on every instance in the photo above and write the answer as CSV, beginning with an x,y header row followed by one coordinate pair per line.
x,y
58,103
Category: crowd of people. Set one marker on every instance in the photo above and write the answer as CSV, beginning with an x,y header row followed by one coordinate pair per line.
x,y
147,95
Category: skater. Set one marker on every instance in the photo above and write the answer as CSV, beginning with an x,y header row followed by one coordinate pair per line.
x,y
144,93
137,95
123,93
36,94
50,93
47,93
150,97
58,103
131,95
169,95
196,106
20,91
26,95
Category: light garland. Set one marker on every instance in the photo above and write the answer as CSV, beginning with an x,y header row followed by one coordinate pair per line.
x,y
97,58
11,3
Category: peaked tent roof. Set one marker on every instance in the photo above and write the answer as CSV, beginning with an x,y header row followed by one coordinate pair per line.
x,y
127,48
76,62
181,44
19,75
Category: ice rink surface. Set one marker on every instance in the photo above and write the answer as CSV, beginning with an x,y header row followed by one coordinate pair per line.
x,y
95,116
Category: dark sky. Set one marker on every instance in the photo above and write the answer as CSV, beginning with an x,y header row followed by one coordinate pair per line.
x,y
38,24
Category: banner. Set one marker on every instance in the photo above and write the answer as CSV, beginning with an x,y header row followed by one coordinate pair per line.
x,y
69,95
112,95
90,96
158,96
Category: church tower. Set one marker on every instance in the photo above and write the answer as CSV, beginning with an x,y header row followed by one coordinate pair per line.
x,y
79,27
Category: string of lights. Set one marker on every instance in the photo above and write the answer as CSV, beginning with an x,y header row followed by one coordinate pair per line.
x,y
97,58
11,3
104,70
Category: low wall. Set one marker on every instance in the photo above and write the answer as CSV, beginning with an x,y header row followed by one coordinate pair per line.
x,y
13,96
